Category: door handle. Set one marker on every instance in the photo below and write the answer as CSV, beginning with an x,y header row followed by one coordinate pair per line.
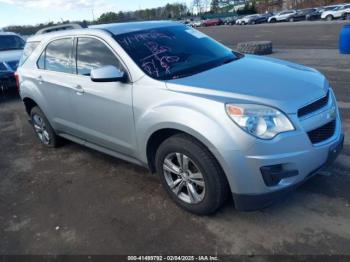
x,y
40,79
79,89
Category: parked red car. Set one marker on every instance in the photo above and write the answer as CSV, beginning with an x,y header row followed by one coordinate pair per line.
x,y
212,22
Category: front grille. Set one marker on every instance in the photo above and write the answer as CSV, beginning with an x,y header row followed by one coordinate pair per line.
x,y
313,106
322,133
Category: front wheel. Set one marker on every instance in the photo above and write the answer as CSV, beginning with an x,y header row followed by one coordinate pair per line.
x,y
191,175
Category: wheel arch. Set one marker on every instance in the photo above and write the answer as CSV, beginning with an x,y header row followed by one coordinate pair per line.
x,y
210,128
29,104
160,135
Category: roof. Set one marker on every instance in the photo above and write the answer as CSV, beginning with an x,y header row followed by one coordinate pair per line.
x,y
121,28
8,33
60,27
116,29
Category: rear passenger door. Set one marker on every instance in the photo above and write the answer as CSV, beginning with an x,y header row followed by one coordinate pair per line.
x,y
103,109
284,15
54,79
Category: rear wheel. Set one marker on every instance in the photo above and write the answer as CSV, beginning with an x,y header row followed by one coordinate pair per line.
x,y
43,129
291,19
191,175
329,18
273,20
347,16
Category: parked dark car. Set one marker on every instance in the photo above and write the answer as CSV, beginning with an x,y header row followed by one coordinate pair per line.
x,y
212,22
259,19
11,48
229,20
314,15
301,15
346,16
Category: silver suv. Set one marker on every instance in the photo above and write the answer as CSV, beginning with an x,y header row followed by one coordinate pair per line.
x,y
208,120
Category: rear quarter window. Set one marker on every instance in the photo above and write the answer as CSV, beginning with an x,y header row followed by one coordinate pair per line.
x,y
57,56
28,50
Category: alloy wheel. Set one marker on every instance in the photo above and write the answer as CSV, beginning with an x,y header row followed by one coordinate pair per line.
x,y
40,129
184,178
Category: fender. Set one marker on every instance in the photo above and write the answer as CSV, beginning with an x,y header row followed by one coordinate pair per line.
x,y
206,129
29,90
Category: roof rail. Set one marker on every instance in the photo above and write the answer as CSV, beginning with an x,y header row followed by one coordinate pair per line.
x,y
58,28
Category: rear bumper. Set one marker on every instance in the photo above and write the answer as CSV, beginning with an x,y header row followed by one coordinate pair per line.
x,y
8,82
251,202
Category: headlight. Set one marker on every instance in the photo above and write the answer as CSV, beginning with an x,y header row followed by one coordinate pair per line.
x,y
261,121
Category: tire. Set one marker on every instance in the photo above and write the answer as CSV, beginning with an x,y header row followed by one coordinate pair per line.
x,y
255,47
347,17
202,169
43,129
291,19
329,17
273,20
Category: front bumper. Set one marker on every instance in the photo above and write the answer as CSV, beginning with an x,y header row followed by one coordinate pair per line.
x,y
269,168
7,82
250,202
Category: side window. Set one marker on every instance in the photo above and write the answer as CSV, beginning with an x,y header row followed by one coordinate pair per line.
x,y
92,53
41,61
28,50
58,55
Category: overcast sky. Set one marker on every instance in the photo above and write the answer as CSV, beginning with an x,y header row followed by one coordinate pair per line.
x,y
30,12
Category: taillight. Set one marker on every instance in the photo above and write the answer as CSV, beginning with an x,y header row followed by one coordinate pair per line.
x,y
17,80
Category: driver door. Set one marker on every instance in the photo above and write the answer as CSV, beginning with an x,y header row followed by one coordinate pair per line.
x,y
103,109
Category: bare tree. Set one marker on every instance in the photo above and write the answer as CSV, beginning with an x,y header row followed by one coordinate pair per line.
x,y
206,5
197,5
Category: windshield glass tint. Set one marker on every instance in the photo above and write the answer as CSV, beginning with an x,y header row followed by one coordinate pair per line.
x,y
11,42
173,52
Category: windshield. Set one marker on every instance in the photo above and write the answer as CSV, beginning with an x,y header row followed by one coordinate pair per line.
x,y
11,42
338,8
174,52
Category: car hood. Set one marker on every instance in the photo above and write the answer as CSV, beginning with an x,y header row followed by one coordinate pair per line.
x,y
254,79
12,55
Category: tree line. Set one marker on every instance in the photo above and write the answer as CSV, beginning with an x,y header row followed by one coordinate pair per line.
x,y
176,11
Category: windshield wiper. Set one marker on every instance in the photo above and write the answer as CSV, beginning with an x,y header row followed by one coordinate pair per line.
x,y
205,67
229,60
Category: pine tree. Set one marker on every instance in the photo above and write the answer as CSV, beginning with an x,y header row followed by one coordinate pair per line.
x,y
214,6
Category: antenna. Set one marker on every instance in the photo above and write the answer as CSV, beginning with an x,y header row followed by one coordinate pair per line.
x,y
93,14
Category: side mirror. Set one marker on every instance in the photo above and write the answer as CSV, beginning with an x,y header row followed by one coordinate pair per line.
x,y
108,74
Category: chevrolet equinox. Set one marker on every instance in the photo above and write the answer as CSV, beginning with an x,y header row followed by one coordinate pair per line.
x,y
210,121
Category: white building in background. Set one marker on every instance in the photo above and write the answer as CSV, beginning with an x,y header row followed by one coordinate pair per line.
x,y
239,5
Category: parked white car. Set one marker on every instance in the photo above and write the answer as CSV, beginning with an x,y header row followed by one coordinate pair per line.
x,y
196,23
245,20
282,16
336,13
